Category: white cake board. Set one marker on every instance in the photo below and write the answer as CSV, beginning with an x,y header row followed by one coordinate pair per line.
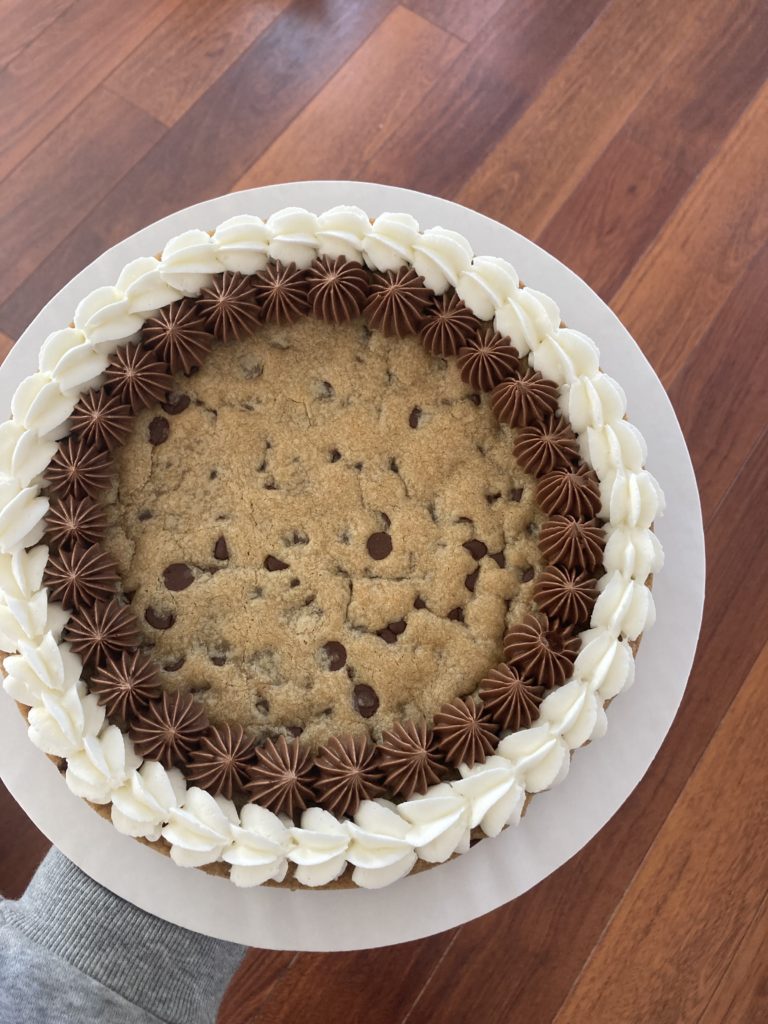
x,y
559,823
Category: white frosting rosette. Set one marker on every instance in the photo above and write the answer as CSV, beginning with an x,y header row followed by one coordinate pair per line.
x,y
384,840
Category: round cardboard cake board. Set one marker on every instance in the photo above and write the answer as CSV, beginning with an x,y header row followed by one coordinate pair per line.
x,y
558,823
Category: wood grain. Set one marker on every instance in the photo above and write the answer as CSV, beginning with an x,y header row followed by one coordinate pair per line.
x,y
632,141
362,106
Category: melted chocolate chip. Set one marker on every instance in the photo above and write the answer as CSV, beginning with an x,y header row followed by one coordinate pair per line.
x,y
470,581
335,455
366,700
387,636
456,614
144,515
294,582
218,659
516,494
159,620
213,474
159,429
491,499
419,603
175,403
477,549
336,655
499,559
295,730
527,574
178,576
413,419
379,546
273,564
174,666
398,627
220,550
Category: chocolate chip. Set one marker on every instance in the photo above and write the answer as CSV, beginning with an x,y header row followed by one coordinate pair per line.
x,y
295,730
366,700
419,603
335,455
272,564
159,429
175,403
220,550
213,474
394,466
336,655
456,614
387,636
526,575
476,548
174,666
144,515
357,465
493,498
159,620
295,582
470,582
398,627
413,419
178,576
516,494
379,546
218,659
499,559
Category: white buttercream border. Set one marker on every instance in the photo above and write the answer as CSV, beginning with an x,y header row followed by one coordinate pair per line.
x,y
385,840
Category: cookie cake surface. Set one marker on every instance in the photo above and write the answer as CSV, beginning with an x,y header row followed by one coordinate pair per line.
x,y
324,543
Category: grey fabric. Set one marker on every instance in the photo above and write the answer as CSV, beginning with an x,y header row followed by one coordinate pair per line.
x,y
73,952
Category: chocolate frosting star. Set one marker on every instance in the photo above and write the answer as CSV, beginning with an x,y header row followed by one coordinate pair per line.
x,y
524,399
178,336
168,729
102,631
229,307
571,542
487,359
281,290
397,302
572,491
101,420
221,762
347,774
137,377
80,576
448,325
409,758
281,779
464,732
546,445
77,470
565,594
124,685
71,521
338,289
543,650
511,700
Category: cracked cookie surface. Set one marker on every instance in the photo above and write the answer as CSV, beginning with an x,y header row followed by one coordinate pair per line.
x,y
324,530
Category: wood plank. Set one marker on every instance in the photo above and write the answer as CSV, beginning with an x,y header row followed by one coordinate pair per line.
x,y
39,208
535,166
361,983
219,137
6,344
621,204
682,281
462,19
20,857
684,897
742,996
482,94
558,922
733,355
174,66
23,22
362,106
62,65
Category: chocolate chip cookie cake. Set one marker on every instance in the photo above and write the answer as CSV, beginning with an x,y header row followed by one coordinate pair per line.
x,y
323,544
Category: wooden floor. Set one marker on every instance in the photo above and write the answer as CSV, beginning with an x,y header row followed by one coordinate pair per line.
x,y
631,140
